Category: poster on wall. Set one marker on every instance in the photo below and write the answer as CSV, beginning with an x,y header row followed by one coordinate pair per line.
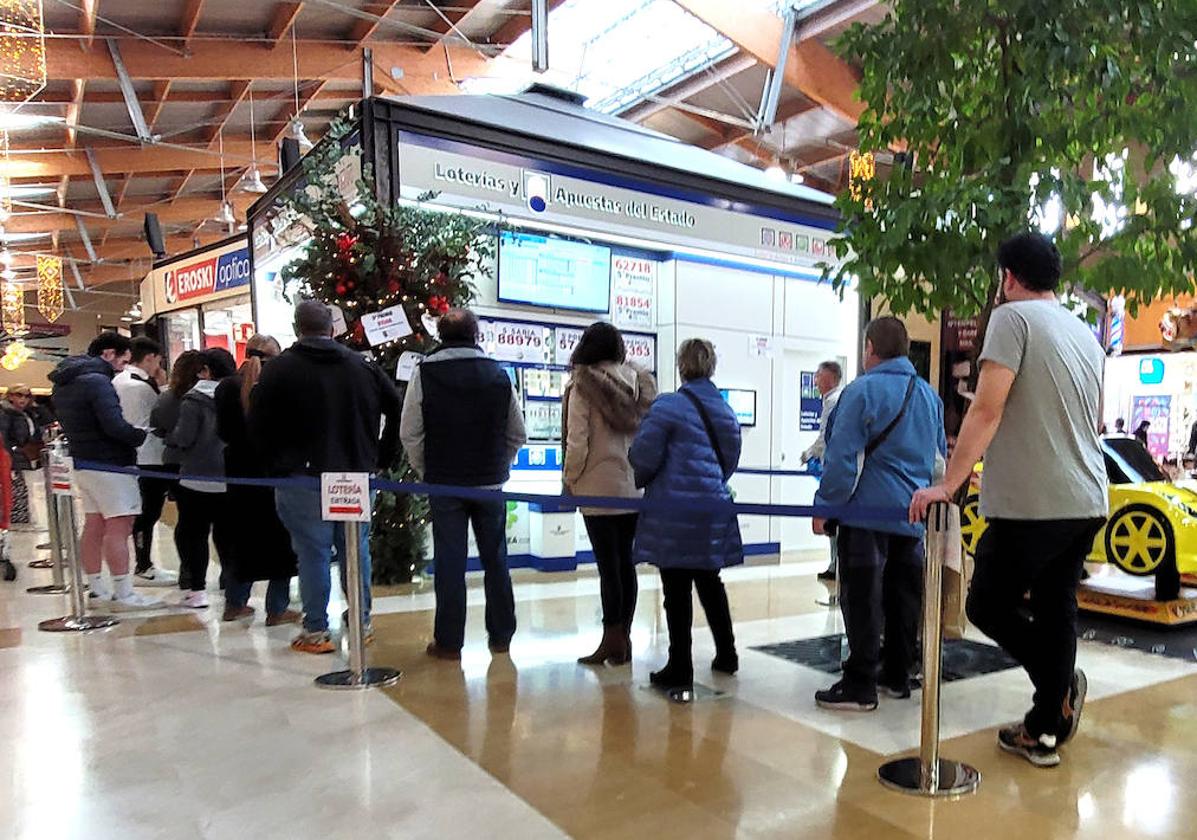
x,y
565,339
810,407
958,344
1158,411
511,341
633,292
642,350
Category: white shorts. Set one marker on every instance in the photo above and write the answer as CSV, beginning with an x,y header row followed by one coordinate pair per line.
x,y
108,494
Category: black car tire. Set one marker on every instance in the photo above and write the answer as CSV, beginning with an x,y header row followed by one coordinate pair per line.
x,y
1161,564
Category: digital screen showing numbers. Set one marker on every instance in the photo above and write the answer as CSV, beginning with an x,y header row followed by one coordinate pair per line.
x,y
549,271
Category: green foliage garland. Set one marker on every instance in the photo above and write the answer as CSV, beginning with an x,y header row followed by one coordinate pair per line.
x,y
365,257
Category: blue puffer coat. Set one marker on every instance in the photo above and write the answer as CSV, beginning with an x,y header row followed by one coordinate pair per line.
x,y
90,412
673,461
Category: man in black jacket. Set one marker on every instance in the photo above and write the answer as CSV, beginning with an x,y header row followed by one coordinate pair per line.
x,y
319,407
462,425
96,430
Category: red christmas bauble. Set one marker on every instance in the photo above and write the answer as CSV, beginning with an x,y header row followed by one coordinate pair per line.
x,y
350,284
394,288
345,242
340,290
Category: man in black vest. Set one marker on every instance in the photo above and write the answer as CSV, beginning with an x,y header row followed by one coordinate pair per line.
x,y
462,425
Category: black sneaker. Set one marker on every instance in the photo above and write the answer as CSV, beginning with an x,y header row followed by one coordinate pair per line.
x,y
672,676
1076,701
1039,751
841,698
827,574
726,664
899,691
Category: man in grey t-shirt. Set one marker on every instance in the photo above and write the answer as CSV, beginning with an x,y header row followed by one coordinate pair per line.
x,y
1043,491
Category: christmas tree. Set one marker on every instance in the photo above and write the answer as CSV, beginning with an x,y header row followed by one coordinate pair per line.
x,y
365,257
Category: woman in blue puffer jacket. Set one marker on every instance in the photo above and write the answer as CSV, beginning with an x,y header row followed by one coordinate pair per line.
x,y
687,448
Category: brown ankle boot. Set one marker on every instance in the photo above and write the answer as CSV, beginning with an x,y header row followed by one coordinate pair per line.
x,y
610,648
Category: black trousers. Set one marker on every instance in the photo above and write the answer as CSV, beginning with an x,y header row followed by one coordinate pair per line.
x,y
679,613
153,497
201,514
1045,558
611,537
881,583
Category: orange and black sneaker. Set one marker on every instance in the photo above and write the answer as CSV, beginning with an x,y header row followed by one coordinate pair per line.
x,y
318,642
1039,751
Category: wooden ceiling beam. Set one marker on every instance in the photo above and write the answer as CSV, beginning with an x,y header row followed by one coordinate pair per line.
x,y
462,9
423,72
153,108
237,91
811,68
132,159
309,90
88,10
114,97
194,209
190,21
363,30
517,24
283,20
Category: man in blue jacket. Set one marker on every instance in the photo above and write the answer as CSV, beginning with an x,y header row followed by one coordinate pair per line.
x,y
882,442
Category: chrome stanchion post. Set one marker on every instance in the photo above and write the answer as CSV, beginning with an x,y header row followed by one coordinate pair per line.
x,y
928,774
352,508
66,535
58,587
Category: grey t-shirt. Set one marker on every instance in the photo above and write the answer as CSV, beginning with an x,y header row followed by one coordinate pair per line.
x,y
1045,462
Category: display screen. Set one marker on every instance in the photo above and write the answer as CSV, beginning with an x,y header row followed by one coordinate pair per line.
x,y
743,403
549,271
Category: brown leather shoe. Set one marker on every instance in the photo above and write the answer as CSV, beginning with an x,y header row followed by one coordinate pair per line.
x,y
285,617
237,613
437,652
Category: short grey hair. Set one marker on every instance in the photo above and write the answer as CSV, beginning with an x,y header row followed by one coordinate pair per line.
x,y
834,369
696,359
313,318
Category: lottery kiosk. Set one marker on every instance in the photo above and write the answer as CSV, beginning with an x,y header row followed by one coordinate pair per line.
x,y
201,299
598,218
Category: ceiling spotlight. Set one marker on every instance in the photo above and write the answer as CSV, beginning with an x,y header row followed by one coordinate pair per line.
x,y
251,181
797,178
775,172
305,145
225,216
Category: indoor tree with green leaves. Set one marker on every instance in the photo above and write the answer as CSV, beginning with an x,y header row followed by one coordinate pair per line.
x,y
1076,116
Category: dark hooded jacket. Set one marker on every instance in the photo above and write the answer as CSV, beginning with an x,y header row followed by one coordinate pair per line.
x,y
90,412
320,407
602,409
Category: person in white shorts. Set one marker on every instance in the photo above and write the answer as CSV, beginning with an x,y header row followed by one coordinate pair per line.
x,y
97,431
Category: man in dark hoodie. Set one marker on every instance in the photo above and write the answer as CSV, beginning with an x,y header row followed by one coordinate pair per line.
x,y
462,425
319,407
96,430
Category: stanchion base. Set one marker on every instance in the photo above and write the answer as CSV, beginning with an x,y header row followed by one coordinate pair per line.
x,y
41,564
350,681
905,775
49,589
71,623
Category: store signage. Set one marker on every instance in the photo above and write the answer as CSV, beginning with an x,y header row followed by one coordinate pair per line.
x,y
510,341
762,346
642,350
633,292
960,334
1156,410
1151,370
385,325
565,339
463,178
60,474
810,409
195,279
345,497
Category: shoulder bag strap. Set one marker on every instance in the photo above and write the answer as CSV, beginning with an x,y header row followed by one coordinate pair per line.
x,y
706,422
893,424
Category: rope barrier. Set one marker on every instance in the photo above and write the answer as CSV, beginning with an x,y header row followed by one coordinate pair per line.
x,y
673,505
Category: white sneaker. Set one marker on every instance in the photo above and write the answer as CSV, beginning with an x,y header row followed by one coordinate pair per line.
x,y
195,601
134,601
156,577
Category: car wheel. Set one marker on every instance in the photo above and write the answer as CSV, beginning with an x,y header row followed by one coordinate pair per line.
x,y
972,526
1139,541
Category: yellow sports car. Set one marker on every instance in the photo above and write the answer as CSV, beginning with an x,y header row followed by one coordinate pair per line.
x,y
1152,529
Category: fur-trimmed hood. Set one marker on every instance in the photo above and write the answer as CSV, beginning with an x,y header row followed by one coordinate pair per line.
x,y
621,393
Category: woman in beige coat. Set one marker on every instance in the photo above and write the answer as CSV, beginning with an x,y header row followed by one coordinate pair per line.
x,y
603,404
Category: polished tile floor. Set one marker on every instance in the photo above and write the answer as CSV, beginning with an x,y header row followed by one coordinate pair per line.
x,y
174,725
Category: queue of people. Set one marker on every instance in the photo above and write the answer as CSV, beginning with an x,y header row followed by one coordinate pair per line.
x,y
318,407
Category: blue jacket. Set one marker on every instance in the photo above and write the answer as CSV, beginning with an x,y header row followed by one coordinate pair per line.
x,y
673,460
90,412
902,464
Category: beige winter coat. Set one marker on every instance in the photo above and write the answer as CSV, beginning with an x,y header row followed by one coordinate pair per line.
x,y
602,409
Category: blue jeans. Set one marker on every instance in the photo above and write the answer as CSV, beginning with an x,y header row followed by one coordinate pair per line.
x,y
314,542
278,595
451,519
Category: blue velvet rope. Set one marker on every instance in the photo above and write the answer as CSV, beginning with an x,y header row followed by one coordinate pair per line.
x,y
668,505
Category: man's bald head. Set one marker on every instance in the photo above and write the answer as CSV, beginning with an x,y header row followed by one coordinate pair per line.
x,y
458,325
313,319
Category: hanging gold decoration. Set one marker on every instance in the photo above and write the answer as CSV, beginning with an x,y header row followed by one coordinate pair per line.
x,y
49,287
12,309
5,183
22,50
861,167
16,354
